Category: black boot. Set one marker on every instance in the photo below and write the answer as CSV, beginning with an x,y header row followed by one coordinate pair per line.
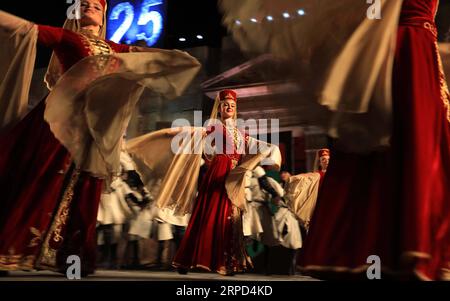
x,y
178,236
160,254
267,269
293,266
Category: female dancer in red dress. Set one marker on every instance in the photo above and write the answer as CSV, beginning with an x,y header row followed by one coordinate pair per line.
x,y
172,157
387,189
394,204
214,236
322,161
49,204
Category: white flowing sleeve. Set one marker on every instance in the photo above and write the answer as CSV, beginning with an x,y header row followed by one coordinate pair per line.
x,y
343,57
257,152
10,25
159,160
89,108
301,193
17,57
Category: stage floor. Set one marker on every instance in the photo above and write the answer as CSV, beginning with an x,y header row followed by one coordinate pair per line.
x,y
111,275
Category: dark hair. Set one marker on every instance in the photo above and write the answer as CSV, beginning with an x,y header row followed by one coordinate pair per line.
x,y
134,180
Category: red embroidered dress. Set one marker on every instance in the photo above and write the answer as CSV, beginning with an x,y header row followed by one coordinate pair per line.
x,y
214,237
394,204
48,209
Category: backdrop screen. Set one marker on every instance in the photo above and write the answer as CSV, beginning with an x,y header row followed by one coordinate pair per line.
x,y
131,21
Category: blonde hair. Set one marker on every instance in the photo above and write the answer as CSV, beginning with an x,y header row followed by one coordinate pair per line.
x,y
54,70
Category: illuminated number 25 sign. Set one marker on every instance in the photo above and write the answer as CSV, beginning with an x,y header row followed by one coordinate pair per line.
x,y
130,21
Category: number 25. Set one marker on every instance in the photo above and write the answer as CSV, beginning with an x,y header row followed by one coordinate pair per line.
x,y
145,17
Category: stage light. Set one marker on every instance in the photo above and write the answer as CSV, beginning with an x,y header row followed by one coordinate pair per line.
x,y
301,12
269,18
200,37
286,15
182,39
253,20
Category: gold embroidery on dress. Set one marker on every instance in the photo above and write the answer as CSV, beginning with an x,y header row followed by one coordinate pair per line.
x,y
445,94
48,254
237,144
237,139
12,261
431,28
97,47
37,237
17,262
234,163
444,91
238,260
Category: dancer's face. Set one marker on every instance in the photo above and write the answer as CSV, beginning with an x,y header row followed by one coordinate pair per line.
x,y
91,13
227,109
284,175
324,161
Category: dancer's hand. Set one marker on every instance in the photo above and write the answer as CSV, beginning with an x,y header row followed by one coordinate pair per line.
x,y
277,201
